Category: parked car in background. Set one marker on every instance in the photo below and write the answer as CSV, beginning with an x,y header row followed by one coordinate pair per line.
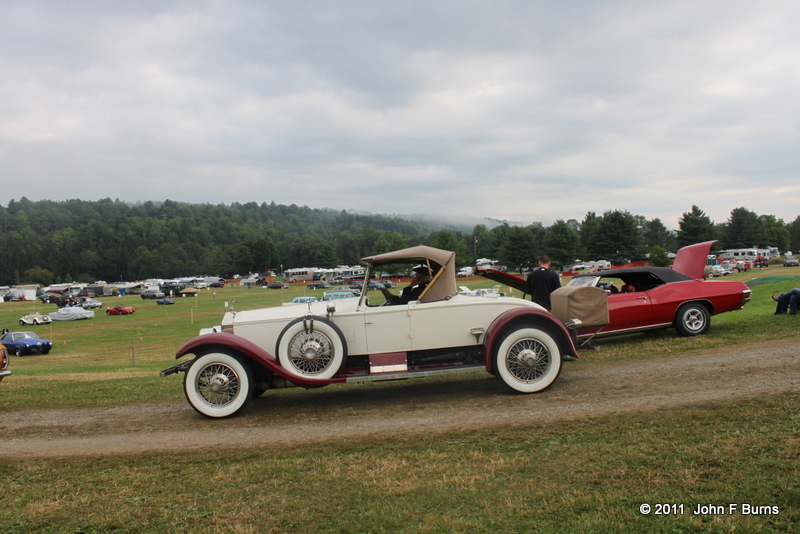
x,y
165,301
710,271
25,343
337,295
790,261
278,285
71,313
4,370
67,299
761,261
88,303
120,310
318,284
152,294
352,340
215,285
302,300
49,297
732,266
33,319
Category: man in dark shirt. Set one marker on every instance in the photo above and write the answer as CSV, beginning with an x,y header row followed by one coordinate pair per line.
x,y
543,281
422,277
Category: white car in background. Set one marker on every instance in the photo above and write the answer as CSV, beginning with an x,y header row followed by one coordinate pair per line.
x,y
33,319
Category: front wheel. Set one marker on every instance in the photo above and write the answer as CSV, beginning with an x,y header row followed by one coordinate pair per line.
x,y
692,320
218,384
528,360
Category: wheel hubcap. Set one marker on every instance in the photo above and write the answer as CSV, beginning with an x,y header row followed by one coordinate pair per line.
x,y
311,349
694,321
217,385
528,360
311,353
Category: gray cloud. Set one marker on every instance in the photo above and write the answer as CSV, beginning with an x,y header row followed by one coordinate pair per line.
x,y
526,111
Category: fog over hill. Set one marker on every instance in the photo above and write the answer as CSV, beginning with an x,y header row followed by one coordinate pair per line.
x,y
463,224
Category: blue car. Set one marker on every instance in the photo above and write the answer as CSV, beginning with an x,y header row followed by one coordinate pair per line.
x,y
22,343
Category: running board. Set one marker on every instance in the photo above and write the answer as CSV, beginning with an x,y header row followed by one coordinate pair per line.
x,y
414,374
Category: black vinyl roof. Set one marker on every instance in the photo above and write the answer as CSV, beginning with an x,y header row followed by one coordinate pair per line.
x,y
664,275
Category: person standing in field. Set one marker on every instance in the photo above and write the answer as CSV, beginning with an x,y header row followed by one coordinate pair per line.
x,y
542,281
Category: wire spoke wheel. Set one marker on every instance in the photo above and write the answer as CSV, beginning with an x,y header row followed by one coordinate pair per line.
x,y
312,348
217,385
527,360
311,352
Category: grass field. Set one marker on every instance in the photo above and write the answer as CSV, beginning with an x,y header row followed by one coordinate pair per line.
x,y
582,476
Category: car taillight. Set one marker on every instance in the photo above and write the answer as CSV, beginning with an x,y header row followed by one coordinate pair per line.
x,y
3,359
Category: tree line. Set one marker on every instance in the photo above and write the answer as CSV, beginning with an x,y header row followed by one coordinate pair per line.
x,y
75,240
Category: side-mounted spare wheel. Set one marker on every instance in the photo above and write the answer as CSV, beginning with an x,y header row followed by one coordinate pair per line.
x,y
527,359
312,347
218,384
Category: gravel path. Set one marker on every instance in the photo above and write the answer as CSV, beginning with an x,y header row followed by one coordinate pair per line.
x,y
423,406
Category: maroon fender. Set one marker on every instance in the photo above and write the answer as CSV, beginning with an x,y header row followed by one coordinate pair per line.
x,y
251,351
538,317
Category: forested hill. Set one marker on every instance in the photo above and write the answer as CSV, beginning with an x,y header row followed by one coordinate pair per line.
x,y
113,240
76,240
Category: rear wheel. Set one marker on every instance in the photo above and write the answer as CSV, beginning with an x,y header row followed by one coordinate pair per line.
x,y
528,360
692,319
218,384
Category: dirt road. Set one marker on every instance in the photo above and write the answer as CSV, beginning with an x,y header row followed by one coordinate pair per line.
x,y
411,407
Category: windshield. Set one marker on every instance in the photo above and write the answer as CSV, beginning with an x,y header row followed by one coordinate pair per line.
x,y
584,281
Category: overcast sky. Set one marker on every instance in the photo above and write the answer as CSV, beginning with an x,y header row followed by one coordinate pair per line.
x,y
517,110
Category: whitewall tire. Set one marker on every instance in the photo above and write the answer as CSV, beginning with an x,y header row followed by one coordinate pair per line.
x,y
218,384
527,360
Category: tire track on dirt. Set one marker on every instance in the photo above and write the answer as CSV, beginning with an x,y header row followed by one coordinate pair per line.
x,y
408,408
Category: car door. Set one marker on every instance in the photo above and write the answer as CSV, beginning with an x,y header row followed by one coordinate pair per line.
x,y
387,328
629,311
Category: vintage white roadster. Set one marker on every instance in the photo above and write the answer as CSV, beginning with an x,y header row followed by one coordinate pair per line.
x,y
350,340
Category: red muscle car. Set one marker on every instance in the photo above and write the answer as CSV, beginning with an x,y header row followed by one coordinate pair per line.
x,y
626,300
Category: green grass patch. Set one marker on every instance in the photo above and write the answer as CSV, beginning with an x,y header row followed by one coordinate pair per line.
x,y
582,476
